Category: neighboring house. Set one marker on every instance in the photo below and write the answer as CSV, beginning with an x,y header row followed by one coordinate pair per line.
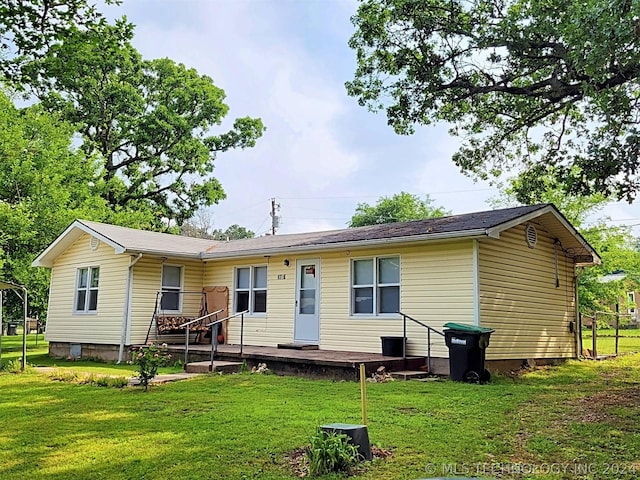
x,y
511,269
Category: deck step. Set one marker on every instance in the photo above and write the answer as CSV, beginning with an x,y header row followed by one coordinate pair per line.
x,y
298,346
409,374
218,366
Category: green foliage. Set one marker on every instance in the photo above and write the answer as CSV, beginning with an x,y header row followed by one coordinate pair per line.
x,y
83,378
331,452
148,122
44,185
147,360
543,86
615,245
12,366
234,232
29,27
401,207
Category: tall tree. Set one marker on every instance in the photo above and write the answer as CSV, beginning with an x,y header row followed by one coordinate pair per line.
x,y
44,185
401,207
529,84
233,232
28,28
615,244
148,121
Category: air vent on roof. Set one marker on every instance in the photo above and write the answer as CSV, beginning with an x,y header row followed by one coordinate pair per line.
x,y
94,243
531,235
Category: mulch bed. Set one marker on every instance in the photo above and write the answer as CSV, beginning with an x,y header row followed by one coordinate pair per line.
x,y
298,460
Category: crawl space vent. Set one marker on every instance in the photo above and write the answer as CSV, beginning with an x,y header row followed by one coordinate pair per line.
x,y
93,243
531,235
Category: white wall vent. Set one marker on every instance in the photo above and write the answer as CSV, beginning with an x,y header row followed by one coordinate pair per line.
x,y
531,235
94,243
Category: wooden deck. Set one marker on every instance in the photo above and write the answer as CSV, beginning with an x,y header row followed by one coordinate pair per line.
x,y
309,363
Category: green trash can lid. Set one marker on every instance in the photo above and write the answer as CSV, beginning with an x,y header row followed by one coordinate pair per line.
x,y
468,328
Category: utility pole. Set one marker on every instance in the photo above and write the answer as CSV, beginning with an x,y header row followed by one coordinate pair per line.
x,y
275,218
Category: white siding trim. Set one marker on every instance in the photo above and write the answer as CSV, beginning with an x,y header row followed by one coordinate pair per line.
x,y
476,284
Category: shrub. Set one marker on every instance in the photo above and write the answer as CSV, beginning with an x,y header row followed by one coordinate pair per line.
x,y
147,360
13,366
331,452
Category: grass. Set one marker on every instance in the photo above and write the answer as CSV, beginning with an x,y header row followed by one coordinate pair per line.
x,y
37,355
628,341
581,415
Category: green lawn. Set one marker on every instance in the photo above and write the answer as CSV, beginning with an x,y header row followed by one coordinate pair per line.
x,y
37,355
628,341
578,416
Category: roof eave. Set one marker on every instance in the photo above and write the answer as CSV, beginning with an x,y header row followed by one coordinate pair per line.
x,y
164,253
48,256
494,232
481,232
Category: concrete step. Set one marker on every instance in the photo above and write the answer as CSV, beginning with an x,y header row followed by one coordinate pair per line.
x,y
409,374
218,366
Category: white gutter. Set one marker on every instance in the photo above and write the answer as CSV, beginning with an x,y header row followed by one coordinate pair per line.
x,y
126,315
284,250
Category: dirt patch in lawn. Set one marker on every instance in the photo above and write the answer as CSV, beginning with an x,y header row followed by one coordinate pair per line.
x,y
598,407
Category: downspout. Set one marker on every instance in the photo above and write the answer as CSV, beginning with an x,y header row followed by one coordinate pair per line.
x,y
476,283
126,315
578,332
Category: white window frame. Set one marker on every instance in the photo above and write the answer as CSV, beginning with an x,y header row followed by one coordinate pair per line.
x,y
376,285
87,289
251,289
171,288
631,299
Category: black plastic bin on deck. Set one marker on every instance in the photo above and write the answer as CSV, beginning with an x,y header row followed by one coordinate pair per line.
x,y
467,345
392,346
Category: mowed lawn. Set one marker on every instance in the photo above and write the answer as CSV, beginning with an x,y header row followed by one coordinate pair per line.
x,y
628,340
577,420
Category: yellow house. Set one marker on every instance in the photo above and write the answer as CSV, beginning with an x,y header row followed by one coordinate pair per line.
x,y
510,269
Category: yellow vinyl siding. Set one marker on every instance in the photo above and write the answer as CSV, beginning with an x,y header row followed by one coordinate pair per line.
x,y
519,298
103,326
276,326
147,281
436,287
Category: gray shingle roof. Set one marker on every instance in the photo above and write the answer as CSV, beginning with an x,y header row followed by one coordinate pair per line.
x,y
467,222
145,241
489,223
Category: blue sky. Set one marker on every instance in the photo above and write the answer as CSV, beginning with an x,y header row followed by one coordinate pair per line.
x,y
286,61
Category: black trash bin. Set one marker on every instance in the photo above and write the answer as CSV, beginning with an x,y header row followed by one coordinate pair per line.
x,y
467,345
12,329
392,346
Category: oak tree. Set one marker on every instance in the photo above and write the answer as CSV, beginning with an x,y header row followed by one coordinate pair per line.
x,y
541,86
401,207
149,122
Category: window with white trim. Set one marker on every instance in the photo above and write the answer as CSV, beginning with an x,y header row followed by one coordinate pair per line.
x,y
87,284
251,289
375,285
631,302
171,288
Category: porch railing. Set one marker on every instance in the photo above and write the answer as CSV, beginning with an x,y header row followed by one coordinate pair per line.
x,y
187,326
214,337
406,317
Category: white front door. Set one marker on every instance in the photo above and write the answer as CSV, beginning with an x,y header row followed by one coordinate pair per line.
x,y
307,318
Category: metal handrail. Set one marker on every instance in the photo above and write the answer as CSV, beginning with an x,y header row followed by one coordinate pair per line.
x,y
186,332
200,318
153,318
214,338
404,337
